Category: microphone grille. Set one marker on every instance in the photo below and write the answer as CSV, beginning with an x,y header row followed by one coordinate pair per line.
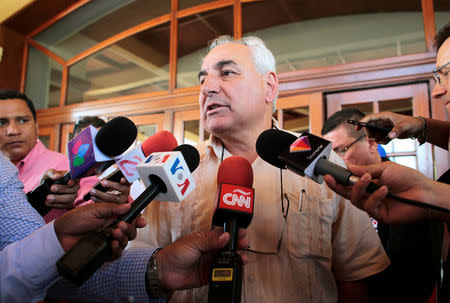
x,y
190,155
271,143
159,142
116,136
235,170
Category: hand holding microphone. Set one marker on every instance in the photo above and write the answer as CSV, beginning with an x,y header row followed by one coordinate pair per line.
x,y
168,177
86,154
307,155
235,200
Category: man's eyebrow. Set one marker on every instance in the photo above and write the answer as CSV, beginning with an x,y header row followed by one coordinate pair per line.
x,y
218,66
201,73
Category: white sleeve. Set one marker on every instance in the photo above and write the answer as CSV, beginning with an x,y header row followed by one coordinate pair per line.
x,y
28,266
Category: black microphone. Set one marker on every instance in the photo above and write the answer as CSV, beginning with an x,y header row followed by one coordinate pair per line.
x,y
165,171
305,155
120,130
235,197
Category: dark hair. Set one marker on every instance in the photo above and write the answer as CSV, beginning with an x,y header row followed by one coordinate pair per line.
x,y
7,94
85,121
441,36
340,118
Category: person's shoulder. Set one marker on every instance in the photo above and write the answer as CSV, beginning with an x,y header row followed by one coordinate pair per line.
x,y
7,169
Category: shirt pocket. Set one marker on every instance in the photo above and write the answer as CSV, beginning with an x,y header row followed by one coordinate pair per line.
x,y
308,226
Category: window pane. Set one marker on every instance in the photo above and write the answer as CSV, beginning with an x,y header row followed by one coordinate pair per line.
x,y
145,131
400,145
296,119
365,108
191,133
97,21
307,34
192,46
45,140
441,13
134,65
403,107
410,161
189,3
43,80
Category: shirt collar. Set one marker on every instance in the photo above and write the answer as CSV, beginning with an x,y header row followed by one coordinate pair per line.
x,y
33,155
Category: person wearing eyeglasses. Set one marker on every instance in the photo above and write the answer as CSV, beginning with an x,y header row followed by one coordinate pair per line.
x,y
414,249
429,130
307,244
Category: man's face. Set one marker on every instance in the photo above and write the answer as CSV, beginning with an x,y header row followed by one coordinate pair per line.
x,y
18,130
232,95
359,151
442,91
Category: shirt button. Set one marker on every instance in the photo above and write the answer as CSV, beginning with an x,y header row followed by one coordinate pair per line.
x,y
250,278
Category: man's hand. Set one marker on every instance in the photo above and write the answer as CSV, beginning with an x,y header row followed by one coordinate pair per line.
x,y
71,226
186,262
64,195
398,180
118,192
404,126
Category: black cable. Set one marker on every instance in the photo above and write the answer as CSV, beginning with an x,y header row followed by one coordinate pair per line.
x,y
418,203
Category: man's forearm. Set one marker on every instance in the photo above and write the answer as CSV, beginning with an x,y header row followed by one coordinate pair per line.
x,y
437,132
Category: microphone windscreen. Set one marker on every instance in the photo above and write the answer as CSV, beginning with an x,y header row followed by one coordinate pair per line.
x,y
161,141
271,143
190,155
116,136
235,170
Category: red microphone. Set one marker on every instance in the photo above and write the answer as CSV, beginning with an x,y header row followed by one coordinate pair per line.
x,y
235,194
235,197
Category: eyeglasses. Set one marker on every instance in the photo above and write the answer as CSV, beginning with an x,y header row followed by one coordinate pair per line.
x,y
343,150
436,72
284,214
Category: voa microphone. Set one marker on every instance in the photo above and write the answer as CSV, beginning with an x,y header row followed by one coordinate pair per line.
x,y
126,164
89,150
168,177
234,209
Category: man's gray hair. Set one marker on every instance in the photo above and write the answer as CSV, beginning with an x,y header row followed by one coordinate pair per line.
x,y
262,57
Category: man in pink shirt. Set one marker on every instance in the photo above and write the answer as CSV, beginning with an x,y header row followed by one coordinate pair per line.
x,y
19,142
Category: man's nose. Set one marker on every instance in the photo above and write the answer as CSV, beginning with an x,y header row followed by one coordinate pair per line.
x,y
438,91
13,129
211,85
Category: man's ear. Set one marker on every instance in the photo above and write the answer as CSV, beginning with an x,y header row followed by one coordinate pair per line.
x,y
271,85
373,145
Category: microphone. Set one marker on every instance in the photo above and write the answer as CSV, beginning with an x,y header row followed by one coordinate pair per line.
x,y
169,174
87,155
306,155
235,200
126,164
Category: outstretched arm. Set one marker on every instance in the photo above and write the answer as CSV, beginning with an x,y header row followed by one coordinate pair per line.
x,y
398,180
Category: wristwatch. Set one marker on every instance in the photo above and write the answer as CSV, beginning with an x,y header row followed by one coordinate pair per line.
x,y
154,288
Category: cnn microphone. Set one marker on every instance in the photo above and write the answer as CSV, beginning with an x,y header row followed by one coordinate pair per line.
x,y
171,180
235,200
305,155
87,154
126,164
